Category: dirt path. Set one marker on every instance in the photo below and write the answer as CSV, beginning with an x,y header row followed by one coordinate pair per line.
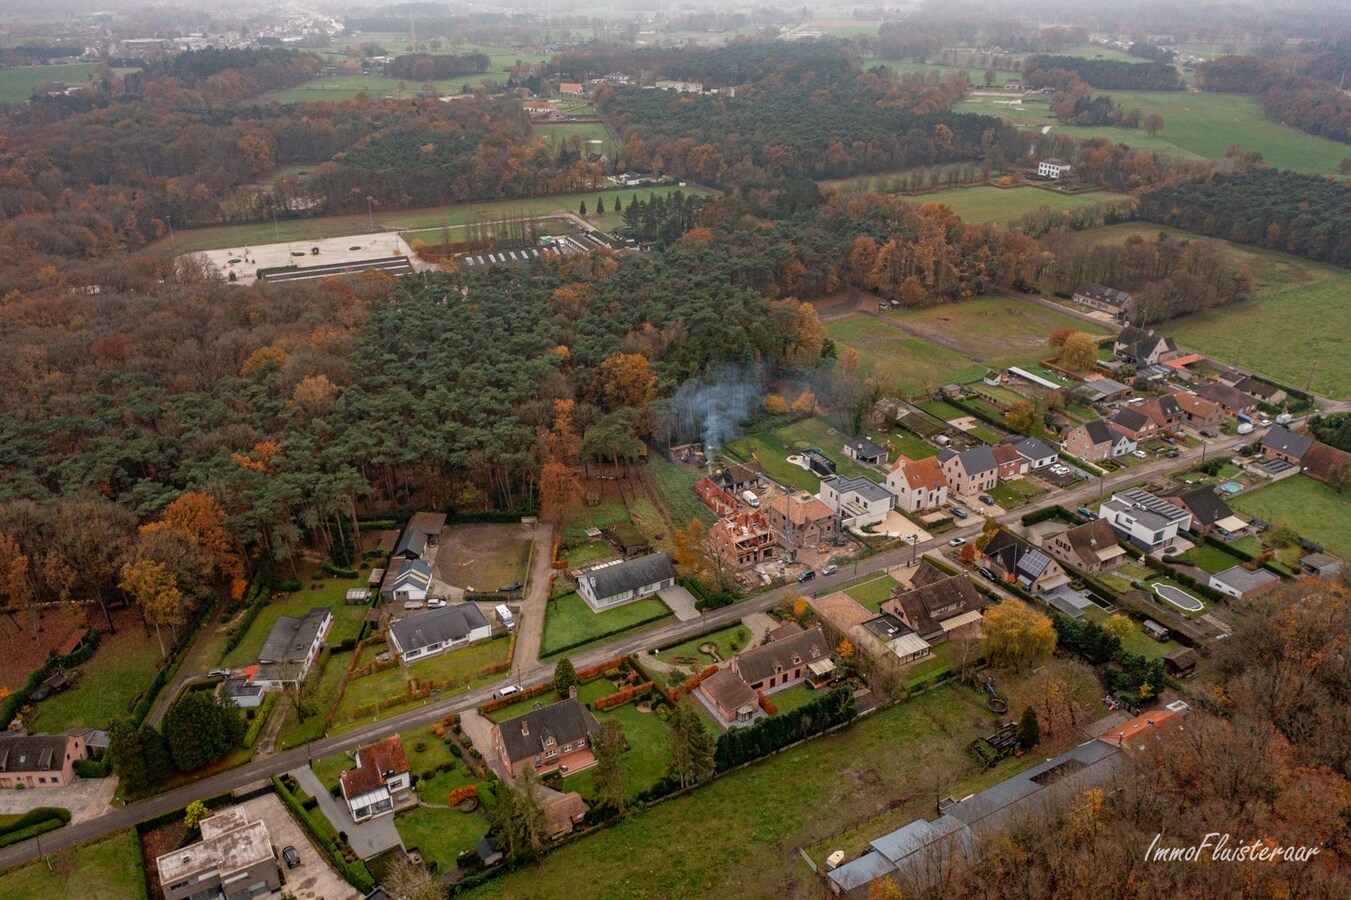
x,y
530,629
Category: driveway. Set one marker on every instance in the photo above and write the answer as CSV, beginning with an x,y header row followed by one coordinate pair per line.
x,y
480,731
530,628
315,877
681,602
367,838
897,525
86,798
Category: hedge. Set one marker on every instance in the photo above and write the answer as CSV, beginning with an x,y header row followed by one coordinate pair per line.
x,y
92,768
259,720
511,516
357,874
256,605
12,704
1080,463
1053,512
619,698
738,746
695,680
328,568
31,831
707,599
596,638
600,668
37,816
497,703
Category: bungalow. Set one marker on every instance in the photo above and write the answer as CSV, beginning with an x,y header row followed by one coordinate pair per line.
x,y
1163,411
1198,412
406,579
715,497
938,607
1010,462
1053,168
742,539
438,631
1095,440
730,697
1099,389
1267,393
1108,300
39,760
1091,547
866,452
1328,464
1231,400
1037,453
1210,514
1134,424
291,648
610,585
917,483
1016,561
380,781
1149,522
860,502
784,662
1284,444
1244,583
970,471
800,520
557,736
420,535
1143,348
570,88
738,477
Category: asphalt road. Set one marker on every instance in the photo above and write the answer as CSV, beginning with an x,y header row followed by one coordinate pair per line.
x,y
535,673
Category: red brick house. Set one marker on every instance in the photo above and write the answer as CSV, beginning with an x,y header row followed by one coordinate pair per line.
x,y
743,539
1095,440
557,736
1134,424
812,522
1011,463
1283,444
1092,547
1163,411
1198,412
781,662
714,497
731,698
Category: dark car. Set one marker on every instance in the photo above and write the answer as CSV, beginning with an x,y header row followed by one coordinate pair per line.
x,y
1167,438
508,588
807,575
1207,433
987,499
958,512
292,858
1173,454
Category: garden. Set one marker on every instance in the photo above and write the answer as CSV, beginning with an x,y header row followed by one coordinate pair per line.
x,y
570,624
871,593
109,683
772,449
693,654
1309,507
1012,494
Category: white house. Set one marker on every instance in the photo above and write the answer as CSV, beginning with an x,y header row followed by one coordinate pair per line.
x,y
683,87
438,631
407,580
859,502
1037,453
1150,523
1053,168
610,585
917,483
291,648
380,780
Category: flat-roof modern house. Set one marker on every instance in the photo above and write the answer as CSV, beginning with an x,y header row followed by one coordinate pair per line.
x,y
380,781
1244,583
1149,522
291,648
611,585
39,760
233,860
557,736
438,631
866,452
859,502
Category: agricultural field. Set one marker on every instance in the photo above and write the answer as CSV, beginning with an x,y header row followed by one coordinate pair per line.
x,y
17,84
345,87
909,67
107,870
1293,320
1311,508
985,203
910,363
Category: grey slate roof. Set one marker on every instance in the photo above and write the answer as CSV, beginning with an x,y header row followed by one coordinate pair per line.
x,y
798,649
866,448
977,459
291,638
33,752
1098,432
421,528
1283,440
1244,580
1103,293
449,623
1031,449
1207,507
1130,419
864,487
631,575
566,720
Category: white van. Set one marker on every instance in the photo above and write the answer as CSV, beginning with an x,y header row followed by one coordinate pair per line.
x,y
750,498
509,690
504,615
1245,428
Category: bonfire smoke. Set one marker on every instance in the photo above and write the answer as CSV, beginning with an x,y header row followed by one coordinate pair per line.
x,y
713,407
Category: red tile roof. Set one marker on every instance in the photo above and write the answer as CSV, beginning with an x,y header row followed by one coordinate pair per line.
x,y
376,762
921,474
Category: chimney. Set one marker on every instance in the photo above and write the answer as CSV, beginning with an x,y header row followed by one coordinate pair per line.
x,y
572,692
525,728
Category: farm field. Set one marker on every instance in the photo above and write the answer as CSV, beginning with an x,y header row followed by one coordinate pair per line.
x,y
984,203
908,362
16,84
909,66
345,87
107,870
744,828
426,218
996,331
1310,507
1293,319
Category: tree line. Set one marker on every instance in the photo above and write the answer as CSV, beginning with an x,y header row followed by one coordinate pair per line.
x,y
1313,104
436,67
1106,74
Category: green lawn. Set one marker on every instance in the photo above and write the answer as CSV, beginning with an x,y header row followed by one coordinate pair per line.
x,y
593,551
602,515
939,661
294,732
744,828
346,619
121,668
907,67
796,696
1310,507
985,203
107,870
870,594
1210,559
569,621
588,692
645,761
986,434
902,443
675,489
456,666
17,84
1135,641
1012,494
907,362
440,835
592,135
941,410
772,449
729,641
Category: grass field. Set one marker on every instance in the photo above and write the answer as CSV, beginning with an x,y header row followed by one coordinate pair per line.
x,y
983,203
426,218
593,136
17,84
107,870
997,331
675,490
456,666
1210,559
295,732
870,594
1293,320
345,87
909,362
570,621
908,67
1135,640
1310,507
744,828
120,669
1012,494
728,641
773,447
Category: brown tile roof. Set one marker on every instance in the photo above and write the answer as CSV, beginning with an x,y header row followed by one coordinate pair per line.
x,y
921,474
1193,405
1004,453
762,662
804,510
1088,539
561,811
927,573
1323,461
727,690
377,761
786,630
924,608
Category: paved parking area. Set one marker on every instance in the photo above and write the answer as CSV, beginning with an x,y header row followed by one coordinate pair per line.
x,y
367,838
315,877
86,798
681,602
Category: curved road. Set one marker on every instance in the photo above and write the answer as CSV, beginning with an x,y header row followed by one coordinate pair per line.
x,y
535,672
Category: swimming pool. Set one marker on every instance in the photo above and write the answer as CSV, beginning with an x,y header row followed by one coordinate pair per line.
x,y
1231,487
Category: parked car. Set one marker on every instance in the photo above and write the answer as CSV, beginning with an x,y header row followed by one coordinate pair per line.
x,y
1173,454
292,858
1206,432
218,672
987,499
435,603
1166,438
807,575
1139,454
986,572
1266,423
956,542
508,588
509,690
830,569
958,512
1086,512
